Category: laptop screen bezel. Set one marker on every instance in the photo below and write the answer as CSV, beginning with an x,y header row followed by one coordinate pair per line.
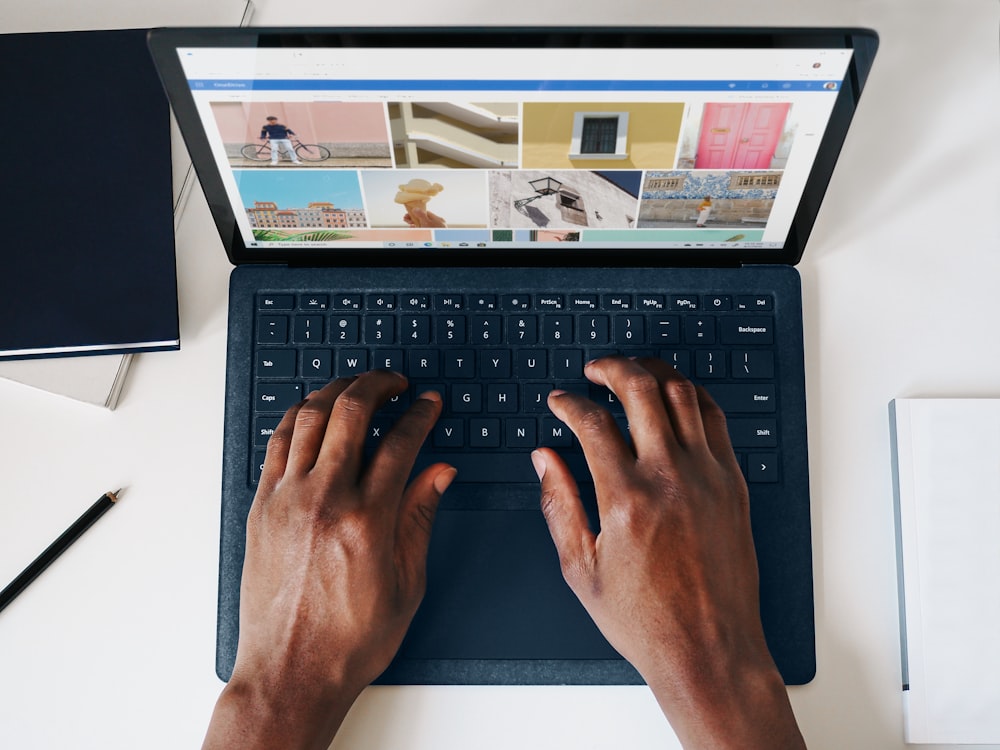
x,y
164,44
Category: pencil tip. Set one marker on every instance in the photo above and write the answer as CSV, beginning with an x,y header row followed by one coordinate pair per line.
x,y
117,494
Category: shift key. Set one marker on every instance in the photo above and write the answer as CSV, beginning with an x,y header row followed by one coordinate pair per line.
x,y
743,398
277,397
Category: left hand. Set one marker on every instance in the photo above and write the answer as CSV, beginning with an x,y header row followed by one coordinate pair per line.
x,y
335,562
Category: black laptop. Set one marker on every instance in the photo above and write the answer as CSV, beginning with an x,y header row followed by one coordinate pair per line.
x,y
486,210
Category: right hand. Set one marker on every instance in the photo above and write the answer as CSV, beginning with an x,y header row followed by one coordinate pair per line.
x,y
671,579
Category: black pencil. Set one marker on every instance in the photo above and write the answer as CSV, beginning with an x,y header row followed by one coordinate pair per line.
x,y
57,547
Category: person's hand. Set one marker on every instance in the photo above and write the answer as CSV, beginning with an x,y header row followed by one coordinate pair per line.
x,y
671,578
424,219
335,564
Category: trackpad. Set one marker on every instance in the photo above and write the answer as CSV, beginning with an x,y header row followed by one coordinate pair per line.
x,y
495,591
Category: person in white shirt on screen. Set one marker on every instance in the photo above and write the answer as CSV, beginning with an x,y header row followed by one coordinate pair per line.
x,y
336,559
276,135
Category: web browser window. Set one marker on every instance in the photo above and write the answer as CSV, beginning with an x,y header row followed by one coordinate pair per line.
x,y
514,148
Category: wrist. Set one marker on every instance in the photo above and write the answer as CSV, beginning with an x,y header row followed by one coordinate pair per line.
x,y
259,713
734,701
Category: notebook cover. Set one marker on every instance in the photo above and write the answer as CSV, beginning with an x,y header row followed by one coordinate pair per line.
x,y
88,264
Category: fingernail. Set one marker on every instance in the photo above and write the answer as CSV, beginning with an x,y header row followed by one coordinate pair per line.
x,y
538,460
430,395
444,479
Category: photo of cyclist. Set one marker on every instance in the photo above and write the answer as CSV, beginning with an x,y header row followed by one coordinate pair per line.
x,y
277,134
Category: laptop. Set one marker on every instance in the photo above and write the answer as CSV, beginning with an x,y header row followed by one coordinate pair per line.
x,y
486,210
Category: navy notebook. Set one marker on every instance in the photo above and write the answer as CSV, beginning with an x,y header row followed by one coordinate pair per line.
x,y
88,261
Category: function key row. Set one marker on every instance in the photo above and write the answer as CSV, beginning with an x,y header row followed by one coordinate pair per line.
x,y
515,302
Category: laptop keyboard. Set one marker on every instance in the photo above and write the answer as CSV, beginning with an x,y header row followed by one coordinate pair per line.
x,y
494,358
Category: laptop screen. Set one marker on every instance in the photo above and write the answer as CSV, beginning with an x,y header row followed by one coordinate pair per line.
x,y
485,150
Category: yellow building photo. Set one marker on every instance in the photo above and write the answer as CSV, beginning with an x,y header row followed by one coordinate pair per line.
x,y
591,135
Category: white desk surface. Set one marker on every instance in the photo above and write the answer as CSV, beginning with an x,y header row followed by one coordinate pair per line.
x,y
114,646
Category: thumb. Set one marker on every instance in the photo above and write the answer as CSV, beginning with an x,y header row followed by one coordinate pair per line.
x,y
416,514
565,516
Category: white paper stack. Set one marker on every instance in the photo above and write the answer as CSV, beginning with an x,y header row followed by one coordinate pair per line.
x,y
946,479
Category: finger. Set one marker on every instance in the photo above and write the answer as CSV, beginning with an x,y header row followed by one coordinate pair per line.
x,y
392,463
567,521
310,424
276,457
641,393
343,443
416,518
603,444
716,431
682,400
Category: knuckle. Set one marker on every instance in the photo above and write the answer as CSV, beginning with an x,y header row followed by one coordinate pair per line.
x,y
682,391
592,420
640,383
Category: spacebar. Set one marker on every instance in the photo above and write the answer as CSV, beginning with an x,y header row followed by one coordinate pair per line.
x,y
498,468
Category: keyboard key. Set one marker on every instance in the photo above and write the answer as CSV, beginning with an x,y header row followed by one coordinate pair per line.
x,y
449,433
557,329
423,363
699,329
381,302
495,364
594,330
275,363
522,329
345,329
710,364
665,329
347,302
521,433
314,302
747,329
556,434
275,302
762,467
536,397
515,302
459,363
584,302
272,329
630,329
317,363
757,363
649,302
550,302
380,329
567,364
450,329
277,397
531,364
377,430
762,302
416,302
308,329
501,398
616,301
736,398
484,433
263,429
485,329
387,359
753,433
415,329
449,302
683,302
467,398
483,302
351,362
604,397
718,302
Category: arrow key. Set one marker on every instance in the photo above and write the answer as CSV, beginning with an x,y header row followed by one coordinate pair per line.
x,y
762,467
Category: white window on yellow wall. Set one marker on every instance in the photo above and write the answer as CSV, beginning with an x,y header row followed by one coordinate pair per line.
x,y
599,135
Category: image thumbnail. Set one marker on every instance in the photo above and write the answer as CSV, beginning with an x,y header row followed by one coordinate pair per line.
x,y
317,206
303,134
735,135
454,134
707,199
590,135
431,199
564,199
